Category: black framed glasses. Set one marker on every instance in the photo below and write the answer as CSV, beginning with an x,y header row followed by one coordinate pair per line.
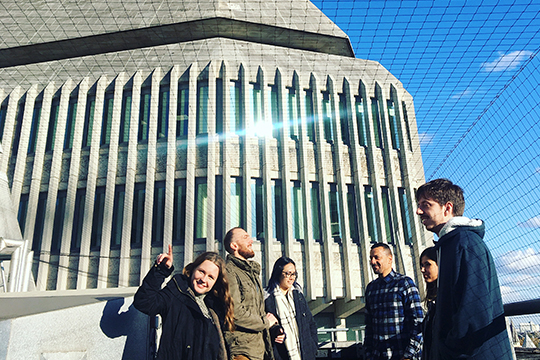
x,y
289,274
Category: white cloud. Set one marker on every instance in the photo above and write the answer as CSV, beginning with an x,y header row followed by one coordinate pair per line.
x,y
464,94
425,138
507,61
531,223
519,260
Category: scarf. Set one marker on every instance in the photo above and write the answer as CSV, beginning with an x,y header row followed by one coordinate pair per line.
x,y
287,315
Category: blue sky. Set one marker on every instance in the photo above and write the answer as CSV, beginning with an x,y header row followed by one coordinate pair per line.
x,y
474,72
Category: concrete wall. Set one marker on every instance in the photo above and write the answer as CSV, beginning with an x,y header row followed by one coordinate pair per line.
x,y
112,329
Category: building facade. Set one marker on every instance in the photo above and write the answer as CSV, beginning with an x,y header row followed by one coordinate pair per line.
x,y
144,126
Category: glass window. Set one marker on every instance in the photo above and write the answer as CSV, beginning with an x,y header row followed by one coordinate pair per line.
x,y
376,122
23,210
158,218
137,220
292,112
361,121
3,112
202,107
274,110
327,117
107,118
97,221
387,215
144,113
256,109
58,222
218,228
344,118
78,220
407,125
405,215
35,127
201,208
182,110
125,116
53,120
40,221
392,118
310,119
236,211
70,124
277,210
315,212
371,216
335,221
236,107
179,212
353,214
18,125
89,119
163,112
257,209
118,216
219,107
297,210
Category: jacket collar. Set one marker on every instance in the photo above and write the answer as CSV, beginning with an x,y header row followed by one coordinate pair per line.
x,y
456,222
390,277
246,265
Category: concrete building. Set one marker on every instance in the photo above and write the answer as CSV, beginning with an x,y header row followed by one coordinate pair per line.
x,y
529,327
128,126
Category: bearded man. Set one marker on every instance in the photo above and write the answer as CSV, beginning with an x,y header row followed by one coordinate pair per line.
x,y
251,337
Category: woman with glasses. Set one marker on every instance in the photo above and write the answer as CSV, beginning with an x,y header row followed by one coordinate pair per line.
x,y
295,337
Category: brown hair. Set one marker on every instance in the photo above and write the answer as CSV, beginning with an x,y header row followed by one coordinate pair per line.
x,y
443,191
431,288
227,240
221,288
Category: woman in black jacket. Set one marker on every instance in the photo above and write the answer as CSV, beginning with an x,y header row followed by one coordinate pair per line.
x,y
296,336
430,272
194,306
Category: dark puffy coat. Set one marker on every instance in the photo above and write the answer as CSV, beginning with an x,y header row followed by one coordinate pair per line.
x,y
307,329
187,334
468,322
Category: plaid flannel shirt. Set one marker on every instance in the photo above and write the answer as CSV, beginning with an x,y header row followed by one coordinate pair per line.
x,y
393,318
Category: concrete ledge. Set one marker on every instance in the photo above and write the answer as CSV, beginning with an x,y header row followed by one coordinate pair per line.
x,y
15,305
175,33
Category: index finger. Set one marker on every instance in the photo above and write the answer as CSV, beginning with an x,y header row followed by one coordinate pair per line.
x,y
170,249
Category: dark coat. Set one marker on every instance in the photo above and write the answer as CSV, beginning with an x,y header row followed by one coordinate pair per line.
x,y
187,334
469,317
307,329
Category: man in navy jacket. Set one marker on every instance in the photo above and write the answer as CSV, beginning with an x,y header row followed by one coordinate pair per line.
x,y
469,318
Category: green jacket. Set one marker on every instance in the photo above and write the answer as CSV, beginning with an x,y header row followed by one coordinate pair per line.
x,y
251,337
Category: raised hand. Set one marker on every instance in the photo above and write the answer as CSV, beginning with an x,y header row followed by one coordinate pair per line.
x,y
168,258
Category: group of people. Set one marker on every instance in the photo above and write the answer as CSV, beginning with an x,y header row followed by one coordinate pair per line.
x,y
200,320
218,309
464,311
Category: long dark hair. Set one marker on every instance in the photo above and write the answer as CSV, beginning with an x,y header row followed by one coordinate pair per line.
x,y
221,287
431,288
275,278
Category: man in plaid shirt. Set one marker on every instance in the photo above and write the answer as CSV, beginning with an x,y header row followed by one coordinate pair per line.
x,y
393,311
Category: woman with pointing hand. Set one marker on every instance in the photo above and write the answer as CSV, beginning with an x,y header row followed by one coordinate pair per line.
x,y
195,306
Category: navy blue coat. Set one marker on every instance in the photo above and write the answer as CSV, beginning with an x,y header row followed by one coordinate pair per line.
x,y
307,329
469,318
187,334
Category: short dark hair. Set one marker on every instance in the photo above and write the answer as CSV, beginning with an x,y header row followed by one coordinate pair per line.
x,y
384,246
227,240
275,278
443,191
